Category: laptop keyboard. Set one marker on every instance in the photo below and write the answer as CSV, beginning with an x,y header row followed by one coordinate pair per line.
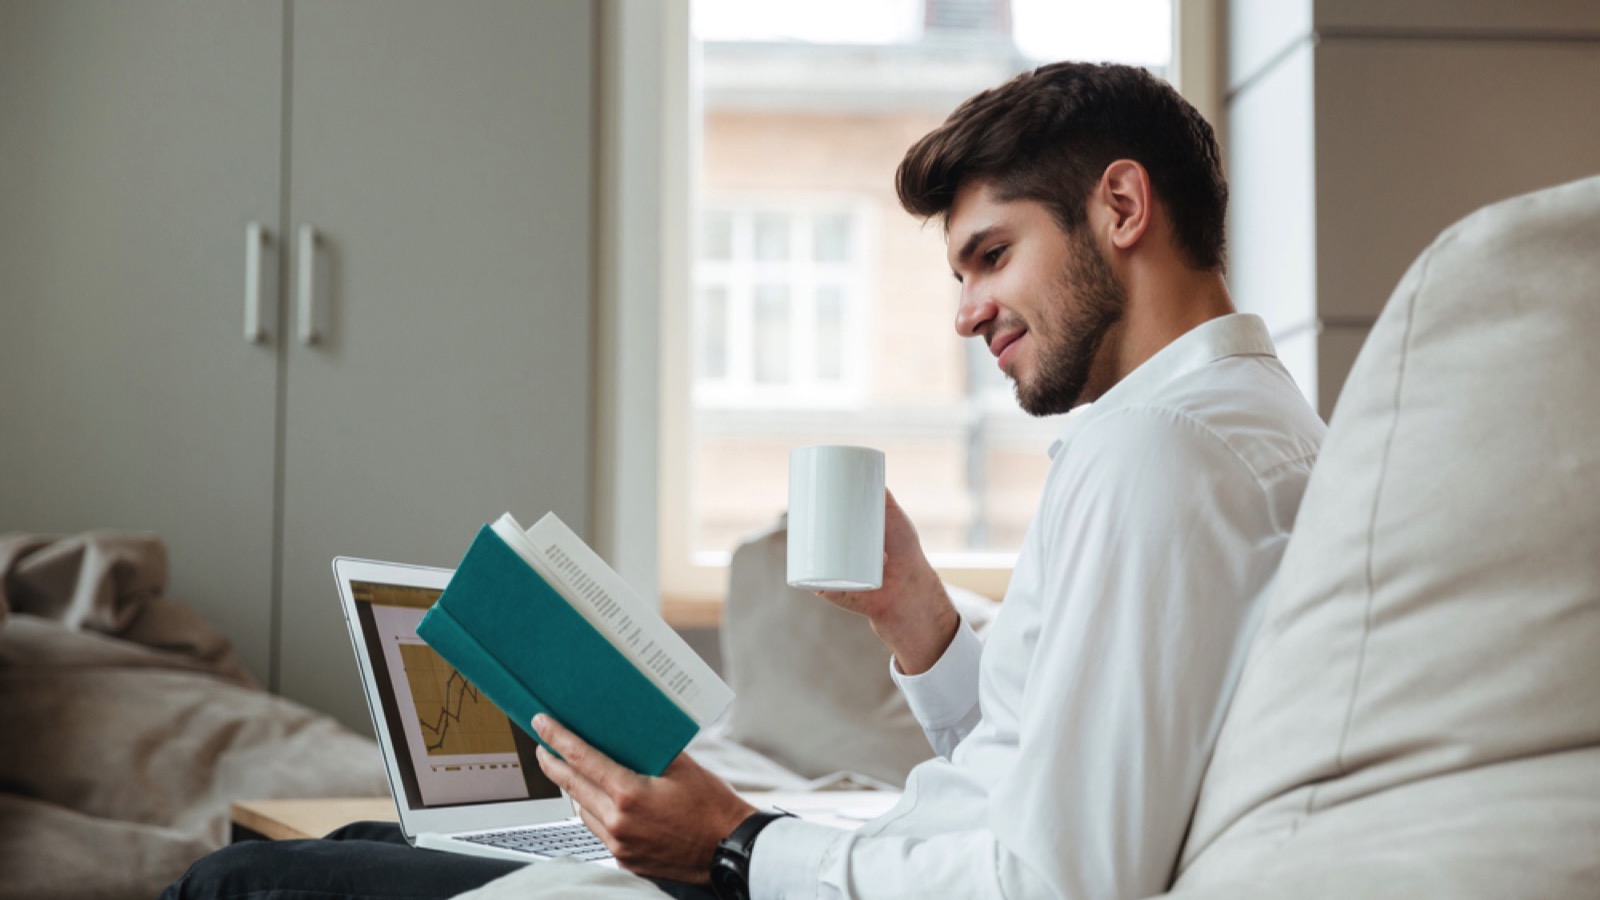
x,y
573,839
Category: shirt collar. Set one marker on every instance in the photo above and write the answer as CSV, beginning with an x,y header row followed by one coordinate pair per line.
x,y
1238,334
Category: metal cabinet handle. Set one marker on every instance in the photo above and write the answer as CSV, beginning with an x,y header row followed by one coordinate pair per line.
x,y
308,279
255,238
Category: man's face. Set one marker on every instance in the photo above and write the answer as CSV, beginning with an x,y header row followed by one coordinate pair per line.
x,y
1041,298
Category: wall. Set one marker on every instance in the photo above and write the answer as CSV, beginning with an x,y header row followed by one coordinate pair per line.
x,y
1359,129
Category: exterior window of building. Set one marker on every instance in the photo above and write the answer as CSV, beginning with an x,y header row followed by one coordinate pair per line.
x,y
823,313
779,309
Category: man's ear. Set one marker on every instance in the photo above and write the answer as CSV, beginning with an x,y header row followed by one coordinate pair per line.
x,y
1124,199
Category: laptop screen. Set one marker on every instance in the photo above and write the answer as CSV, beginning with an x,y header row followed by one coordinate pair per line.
x,y
452,745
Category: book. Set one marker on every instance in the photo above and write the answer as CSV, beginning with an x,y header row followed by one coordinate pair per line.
x,y
539,623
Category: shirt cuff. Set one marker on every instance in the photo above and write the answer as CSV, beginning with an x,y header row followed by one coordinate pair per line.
x,y
788,857
943,696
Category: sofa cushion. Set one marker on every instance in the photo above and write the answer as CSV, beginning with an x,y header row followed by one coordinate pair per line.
x,y
812,680
1420,712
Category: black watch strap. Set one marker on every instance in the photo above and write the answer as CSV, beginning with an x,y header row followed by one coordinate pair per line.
x,y
730,866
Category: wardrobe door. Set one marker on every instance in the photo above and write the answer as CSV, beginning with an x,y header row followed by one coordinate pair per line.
x,y
137,143
441,158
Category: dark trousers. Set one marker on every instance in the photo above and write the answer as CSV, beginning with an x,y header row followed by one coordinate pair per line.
x,y
363,860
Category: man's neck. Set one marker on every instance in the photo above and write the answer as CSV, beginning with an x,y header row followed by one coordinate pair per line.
x,y
1164,304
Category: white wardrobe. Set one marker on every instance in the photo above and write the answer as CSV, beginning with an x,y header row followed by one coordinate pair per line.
x,y
402,354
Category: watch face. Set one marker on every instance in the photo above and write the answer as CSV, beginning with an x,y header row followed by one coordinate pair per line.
x,y
728,877
730,867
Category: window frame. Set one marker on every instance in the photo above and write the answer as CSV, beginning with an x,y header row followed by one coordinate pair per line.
x,y
643,261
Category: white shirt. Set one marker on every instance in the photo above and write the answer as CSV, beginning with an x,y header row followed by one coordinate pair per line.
x,y
1072,743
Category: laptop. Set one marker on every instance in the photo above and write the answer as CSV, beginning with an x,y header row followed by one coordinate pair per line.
x,y
464,777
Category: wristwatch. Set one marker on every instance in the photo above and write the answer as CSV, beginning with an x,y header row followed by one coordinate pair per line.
x,y
730,867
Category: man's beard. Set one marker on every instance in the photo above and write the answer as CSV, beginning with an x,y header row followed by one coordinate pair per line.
x,y
1087,301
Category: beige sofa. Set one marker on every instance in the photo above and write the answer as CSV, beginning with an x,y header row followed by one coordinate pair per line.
x,y
1420,714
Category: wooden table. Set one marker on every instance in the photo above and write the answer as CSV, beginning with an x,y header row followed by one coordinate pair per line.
x,y
277,820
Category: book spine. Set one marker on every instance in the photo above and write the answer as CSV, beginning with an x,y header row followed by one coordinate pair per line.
x,y
460,649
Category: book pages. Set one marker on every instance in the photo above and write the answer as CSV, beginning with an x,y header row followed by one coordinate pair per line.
x,y
600,595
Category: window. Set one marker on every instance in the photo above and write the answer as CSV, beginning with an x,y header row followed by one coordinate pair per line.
x,y
779,293
821,312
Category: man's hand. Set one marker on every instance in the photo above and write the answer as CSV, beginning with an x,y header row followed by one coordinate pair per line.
x,y
911,613
666,827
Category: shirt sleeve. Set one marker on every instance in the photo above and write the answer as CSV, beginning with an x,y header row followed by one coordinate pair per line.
x,y
1155,544
795,859
945,697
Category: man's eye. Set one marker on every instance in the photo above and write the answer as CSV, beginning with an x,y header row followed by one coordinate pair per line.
x,y
993,256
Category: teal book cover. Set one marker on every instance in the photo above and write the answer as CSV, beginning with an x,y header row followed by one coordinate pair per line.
x,y
513,635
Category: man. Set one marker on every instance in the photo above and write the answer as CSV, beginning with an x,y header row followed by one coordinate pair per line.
x,y
1084,209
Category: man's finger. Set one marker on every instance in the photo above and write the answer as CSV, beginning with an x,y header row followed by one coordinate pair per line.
x,y
575,750
593,821
555,734
595,766
584,792
555,768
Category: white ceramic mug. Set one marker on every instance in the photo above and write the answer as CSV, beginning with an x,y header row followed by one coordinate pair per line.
x,y
836,505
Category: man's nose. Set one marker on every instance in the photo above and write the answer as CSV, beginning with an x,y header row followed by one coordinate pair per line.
x,y
977,309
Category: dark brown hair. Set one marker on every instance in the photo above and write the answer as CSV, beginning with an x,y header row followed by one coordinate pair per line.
x,y
1048,135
